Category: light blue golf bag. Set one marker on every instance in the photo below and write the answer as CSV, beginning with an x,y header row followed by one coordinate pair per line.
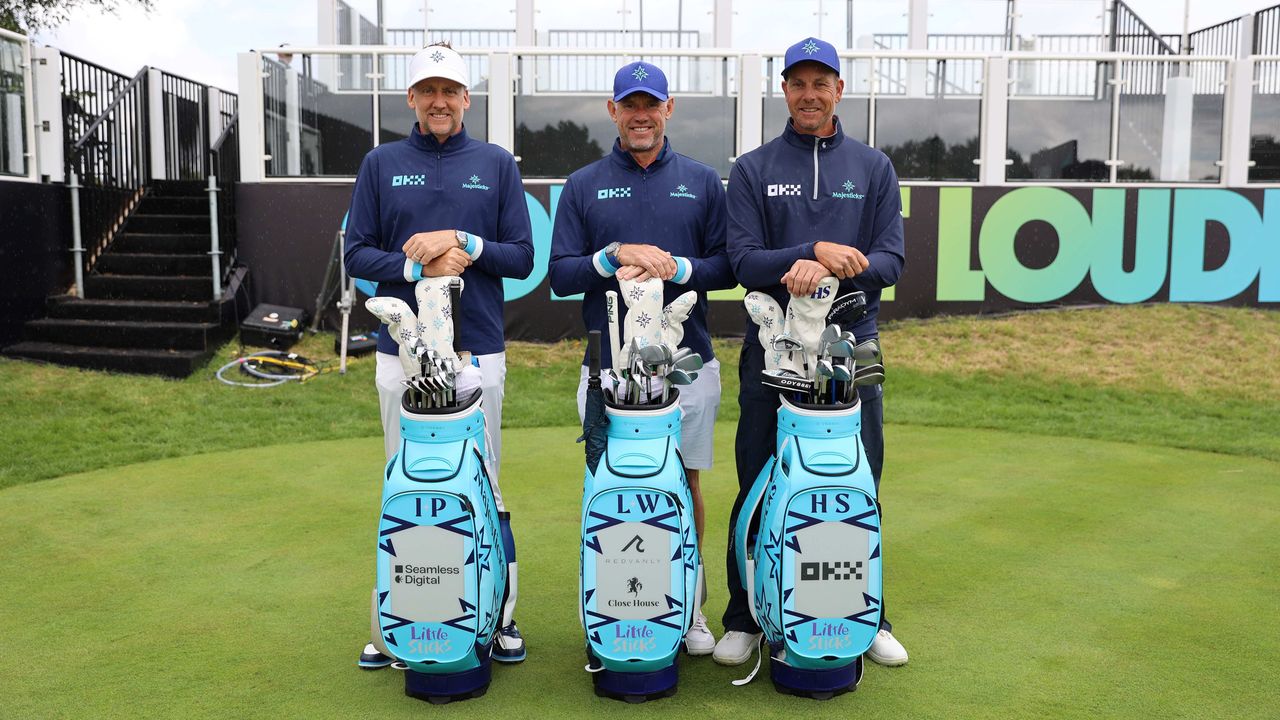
x,y
807,542
442,551
640,566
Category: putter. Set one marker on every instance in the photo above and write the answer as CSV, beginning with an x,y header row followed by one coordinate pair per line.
x,y
787,381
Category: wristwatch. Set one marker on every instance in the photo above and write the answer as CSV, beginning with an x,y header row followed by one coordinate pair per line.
x,y
462,239
611,252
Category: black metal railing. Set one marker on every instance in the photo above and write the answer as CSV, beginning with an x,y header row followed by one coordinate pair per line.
x,y
1266,31
87,90
185,127
224,167
1133,36
1220,39
108,167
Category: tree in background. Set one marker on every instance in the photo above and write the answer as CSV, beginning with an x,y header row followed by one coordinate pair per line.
x,y
555,150
28,16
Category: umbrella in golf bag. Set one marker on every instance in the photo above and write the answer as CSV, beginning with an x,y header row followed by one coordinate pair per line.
x,y
594,420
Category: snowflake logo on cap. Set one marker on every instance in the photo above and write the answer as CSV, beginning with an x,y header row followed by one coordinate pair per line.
x,y
682,188
437,56
639,74
810,47
475,179
848,185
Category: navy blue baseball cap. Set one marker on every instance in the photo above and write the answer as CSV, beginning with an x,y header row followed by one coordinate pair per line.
x,y
812,50
639,77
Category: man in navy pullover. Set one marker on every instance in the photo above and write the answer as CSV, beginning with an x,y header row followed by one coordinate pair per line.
x,y
648,211
811,203
435,204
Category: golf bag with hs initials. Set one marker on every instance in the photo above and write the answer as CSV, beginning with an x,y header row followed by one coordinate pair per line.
x,y
442,567
640,568
807,543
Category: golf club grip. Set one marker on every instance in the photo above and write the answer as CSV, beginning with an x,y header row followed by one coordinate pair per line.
x,y
615,334
593,353
455,302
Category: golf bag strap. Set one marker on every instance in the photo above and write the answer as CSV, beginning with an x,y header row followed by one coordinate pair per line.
x,y
759,657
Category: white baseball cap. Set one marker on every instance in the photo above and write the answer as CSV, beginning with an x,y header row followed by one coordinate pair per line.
x,y
438,61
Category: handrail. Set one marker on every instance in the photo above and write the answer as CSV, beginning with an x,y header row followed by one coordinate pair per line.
x,y
1134,17
227,132
78,145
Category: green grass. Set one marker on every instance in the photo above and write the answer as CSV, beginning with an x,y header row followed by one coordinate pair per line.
x,y
1033,569
1181,376
1029,576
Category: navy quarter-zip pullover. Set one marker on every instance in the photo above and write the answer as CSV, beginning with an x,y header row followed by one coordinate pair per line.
x,y
797,190
677,204
418,185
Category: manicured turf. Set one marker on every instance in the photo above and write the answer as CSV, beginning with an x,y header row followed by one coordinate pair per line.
x,y
1029,576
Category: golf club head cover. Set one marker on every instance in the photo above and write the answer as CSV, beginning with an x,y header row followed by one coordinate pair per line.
x,y
403,326
435,315
643,322
767,315
807,317
673,317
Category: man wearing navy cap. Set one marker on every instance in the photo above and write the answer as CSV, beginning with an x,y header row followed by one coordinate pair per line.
x,y
811,203
435,204
648,211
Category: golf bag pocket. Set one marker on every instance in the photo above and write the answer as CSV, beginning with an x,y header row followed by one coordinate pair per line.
x,y
639,568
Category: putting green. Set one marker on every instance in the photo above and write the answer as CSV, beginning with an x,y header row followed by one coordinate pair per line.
x,y
1028,576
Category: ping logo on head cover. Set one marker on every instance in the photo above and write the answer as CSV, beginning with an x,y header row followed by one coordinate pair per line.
x,y
607,193
848,193
473,183
783,189
398,180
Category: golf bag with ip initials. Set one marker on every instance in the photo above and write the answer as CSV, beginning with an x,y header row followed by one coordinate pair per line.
x,y
442,550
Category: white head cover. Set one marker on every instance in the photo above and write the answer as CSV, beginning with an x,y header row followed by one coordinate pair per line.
x,y
643,323
431,329
767,315
807,317
673,317
402,325
435,314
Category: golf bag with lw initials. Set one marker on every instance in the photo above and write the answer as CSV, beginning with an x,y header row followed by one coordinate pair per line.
x,y
442,565
640,567
807,543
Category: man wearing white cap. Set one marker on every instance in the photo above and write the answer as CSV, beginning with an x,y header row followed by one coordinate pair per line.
x,y
810,204
647,211
440,203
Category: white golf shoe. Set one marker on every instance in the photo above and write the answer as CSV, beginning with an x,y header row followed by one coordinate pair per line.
x,y
735,647
886,650
699,640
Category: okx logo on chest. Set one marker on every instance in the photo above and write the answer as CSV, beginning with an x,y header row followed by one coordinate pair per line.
x,y
640,567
